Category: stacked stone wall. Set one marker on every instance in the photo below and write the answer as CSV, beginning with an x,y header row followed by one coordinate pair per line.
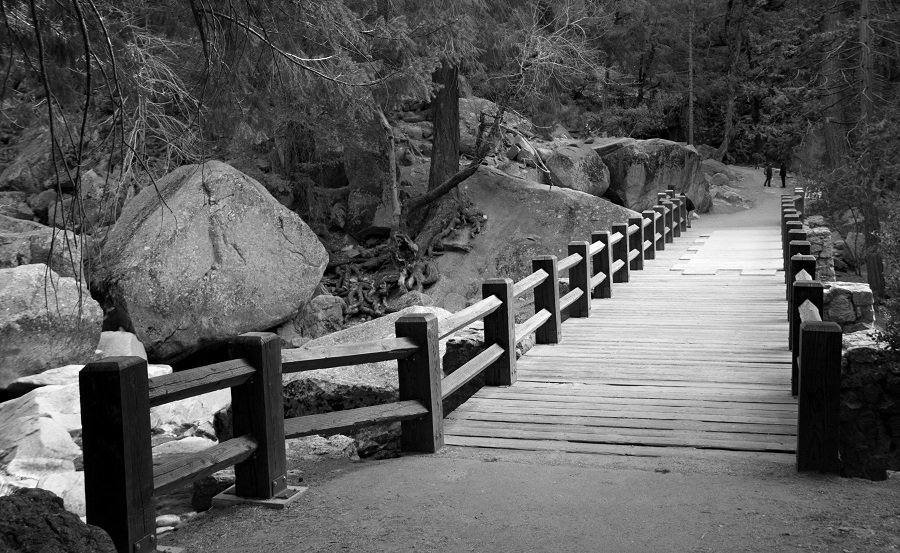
x,y
850,304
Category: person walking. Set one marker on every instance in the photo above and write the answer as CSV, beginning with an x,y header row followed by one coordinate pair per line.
x,y
768,173
782,171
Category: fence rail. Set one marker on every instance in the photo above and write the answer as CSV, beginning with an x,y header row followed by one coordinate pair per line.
x,y
116,394
815,346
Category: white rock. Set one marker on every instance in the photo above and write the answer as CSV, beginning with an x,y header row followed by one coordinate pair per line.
x,y
70,487
193,444
57,403
9,484
36,446
120,343
192,411
67,375
167,520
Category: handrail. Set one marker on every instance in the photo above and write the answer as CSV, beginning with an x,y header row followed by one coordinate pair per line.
x,y
647,221
570,298
617,264
461,376
615,238
193,382
658,215
469,315
647,244
529,283
203,463
596,248
632,254
632,229
597,279
568,262
326,357
351,419
533,323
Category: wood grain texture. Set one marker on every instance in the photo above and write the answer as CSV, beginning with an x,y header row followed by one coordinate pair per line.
x,y
529,283
567,263
324,357
546,298
579,278
193,382
819,401
469,315
602,264
499,328
814,292
115,435
469,370
419,379
352,419
198,465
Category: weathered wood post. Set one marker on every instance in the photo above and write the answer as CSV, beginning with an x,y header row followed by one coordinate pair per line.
x,y
676,217
791,225
685,217
799,202
258,409
670,207
580,277
419,378
602,263
118,462
819,400
799,262
660,226
636,243
804,290
649,231
500,329
546,296
797,243
620,252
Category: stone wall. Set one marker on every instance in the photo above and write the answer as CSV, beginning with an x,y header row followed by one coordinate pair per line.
x,y
822,248
870,408
850,304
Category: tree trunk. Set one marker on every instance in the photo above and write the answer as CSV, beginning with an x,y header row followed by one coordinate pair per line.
x,y
691,76
445,116
394,192
737,32
835,124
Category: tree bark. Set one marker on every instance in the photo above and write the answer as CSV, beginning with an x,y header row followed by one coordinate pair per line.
x,y
691,75
445,116
737,32
835,125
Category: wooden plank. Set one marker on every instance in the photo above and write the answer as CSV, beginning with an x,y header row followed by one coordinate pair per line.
x,y
352,419
419,377
469,370
596,247
531,325
529,283
570,298
193,382
118,462
597,280
469,315
323,357
257,409
198,465
617,264
567,263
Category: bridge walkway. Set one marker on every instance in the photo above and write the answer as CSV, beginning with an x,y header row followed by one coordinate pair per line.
x,y
689,357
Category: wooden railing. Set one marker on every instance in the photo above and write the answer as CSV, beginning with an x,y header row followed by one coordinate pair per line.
x,y
116,394
815,347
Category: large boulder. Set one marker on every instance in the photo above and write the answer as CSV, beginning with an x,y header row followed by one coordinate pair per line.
x,y
368,203
322,315
31,166
639,169
26,242
579,168
711,167
470,110
204,256
62,376
35,521
14,204
45,321
524,219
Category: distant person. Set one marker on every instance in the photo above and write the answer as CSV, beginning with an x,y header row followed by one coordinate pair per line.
x,y
689,205
768,173
782,171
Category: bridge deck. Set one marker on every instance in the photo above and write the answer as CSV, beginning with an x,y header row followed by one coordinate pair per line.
x,y
689,357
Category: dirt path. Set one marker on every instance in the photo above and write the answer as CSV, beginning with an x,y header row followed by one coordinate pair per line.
x,y
465,499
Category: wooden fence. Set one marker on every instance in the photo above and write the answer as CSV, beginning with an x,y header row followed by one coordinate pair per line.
x,y
815,347
116,394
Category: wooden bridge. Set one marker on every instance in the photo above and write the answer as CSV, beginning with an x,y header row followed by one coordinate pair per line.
x,y
689,357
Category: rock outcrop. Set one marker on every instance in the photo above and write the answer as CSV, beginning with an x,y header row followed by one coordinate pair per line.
x,y
639,169
26,243
470,110
368,203
45,321
579,168
33,521
524,219
209,256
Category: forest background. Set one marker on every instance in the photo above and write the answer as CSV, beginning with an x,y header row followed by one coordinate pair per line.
x,y
138,89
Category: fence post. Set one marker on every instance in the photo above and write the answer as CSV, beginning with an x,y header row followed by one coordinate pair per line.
x,y
580,277
685,219
636,242
813,291
258,409
670,219
546,296
118,462
797,243
676,217
648,233
660,227
500,329
799,262
601,264
419,378
620,252
791,225
799,202
819,401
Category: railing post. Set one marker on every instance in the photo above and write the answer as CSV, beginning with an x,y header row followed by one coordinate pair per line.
x,y
670,208
546,296
647,233
799,262
819,400
602,263
258,409
580,277
676,217
636,242
500,329
660,227
419,378
685,219
800,201
813,291
797,244
118,462
620,252
791,225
